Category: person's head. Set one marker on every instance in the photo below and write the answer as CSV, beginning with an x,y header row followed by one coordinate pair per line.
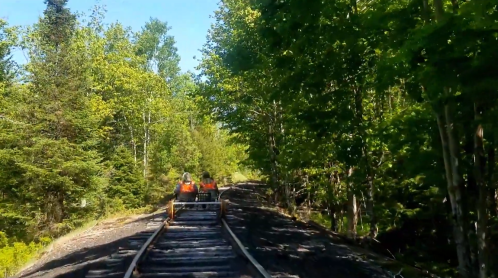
x,y
205,175
187,177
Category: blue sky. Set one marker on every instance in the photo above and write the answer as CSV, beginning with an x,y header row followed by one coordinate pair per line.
x,y
189,19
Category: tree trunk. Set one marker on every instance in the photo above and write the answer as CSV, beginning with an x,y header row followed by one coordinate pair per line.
x,y
333,218
288,197
358,99
427,12
147,139
133,142
145,145
482,216
438,5
455,182
370,195
370,209
460,228
457,233
493,210
60,200
273,158
493,202
352,209
335,183
471,193
272,149
289,189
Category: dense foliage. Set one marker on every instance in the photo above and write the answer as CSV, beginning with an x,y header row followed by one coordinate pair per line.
x,y
98,121
386,107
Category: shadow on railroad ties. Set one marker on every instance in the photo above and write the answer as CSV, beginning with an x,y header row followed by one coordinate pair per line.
x,y
85,259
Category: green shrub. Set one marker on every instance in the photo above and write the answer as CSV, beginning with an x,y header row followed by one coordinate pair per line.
x,y
3,240
238,177
362,227
14,256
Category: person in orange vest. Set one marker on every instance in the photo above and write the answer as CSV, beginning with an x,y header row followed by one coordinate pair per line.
x,y
208,185
186,189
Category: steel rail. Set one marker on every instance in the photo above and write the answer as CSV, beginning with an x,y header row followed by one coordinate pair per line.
x,y
143,249
140,252
260,271
259,268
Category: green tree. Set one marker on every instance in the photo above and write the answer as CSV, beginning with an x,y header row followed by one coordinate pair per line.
x,y
159,48
99,120
7,41
125,180
345,101
62,125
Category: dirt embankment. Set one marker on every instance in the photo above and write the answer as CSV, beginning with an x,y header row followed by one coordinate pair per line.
x,y
74,256
289,248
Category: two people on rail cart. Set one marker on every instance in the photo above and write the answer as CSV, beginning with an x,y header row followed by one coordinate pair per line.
x,y
186,190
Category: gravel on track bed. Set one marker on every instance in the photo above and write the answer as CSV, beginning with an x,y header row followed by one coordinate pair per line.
x,y
287,248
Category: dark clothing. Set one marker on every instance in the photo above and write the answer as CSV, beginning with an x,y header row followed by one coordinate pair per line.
x,y
213,193
186,197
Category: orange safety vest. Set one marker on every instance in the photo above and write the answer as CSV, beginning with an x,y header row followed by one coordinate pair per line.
x,y
208,186
187,188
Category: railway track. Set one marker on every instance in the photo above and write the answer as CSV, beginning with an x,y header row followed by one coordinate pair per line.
x,y
190,242
114,266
